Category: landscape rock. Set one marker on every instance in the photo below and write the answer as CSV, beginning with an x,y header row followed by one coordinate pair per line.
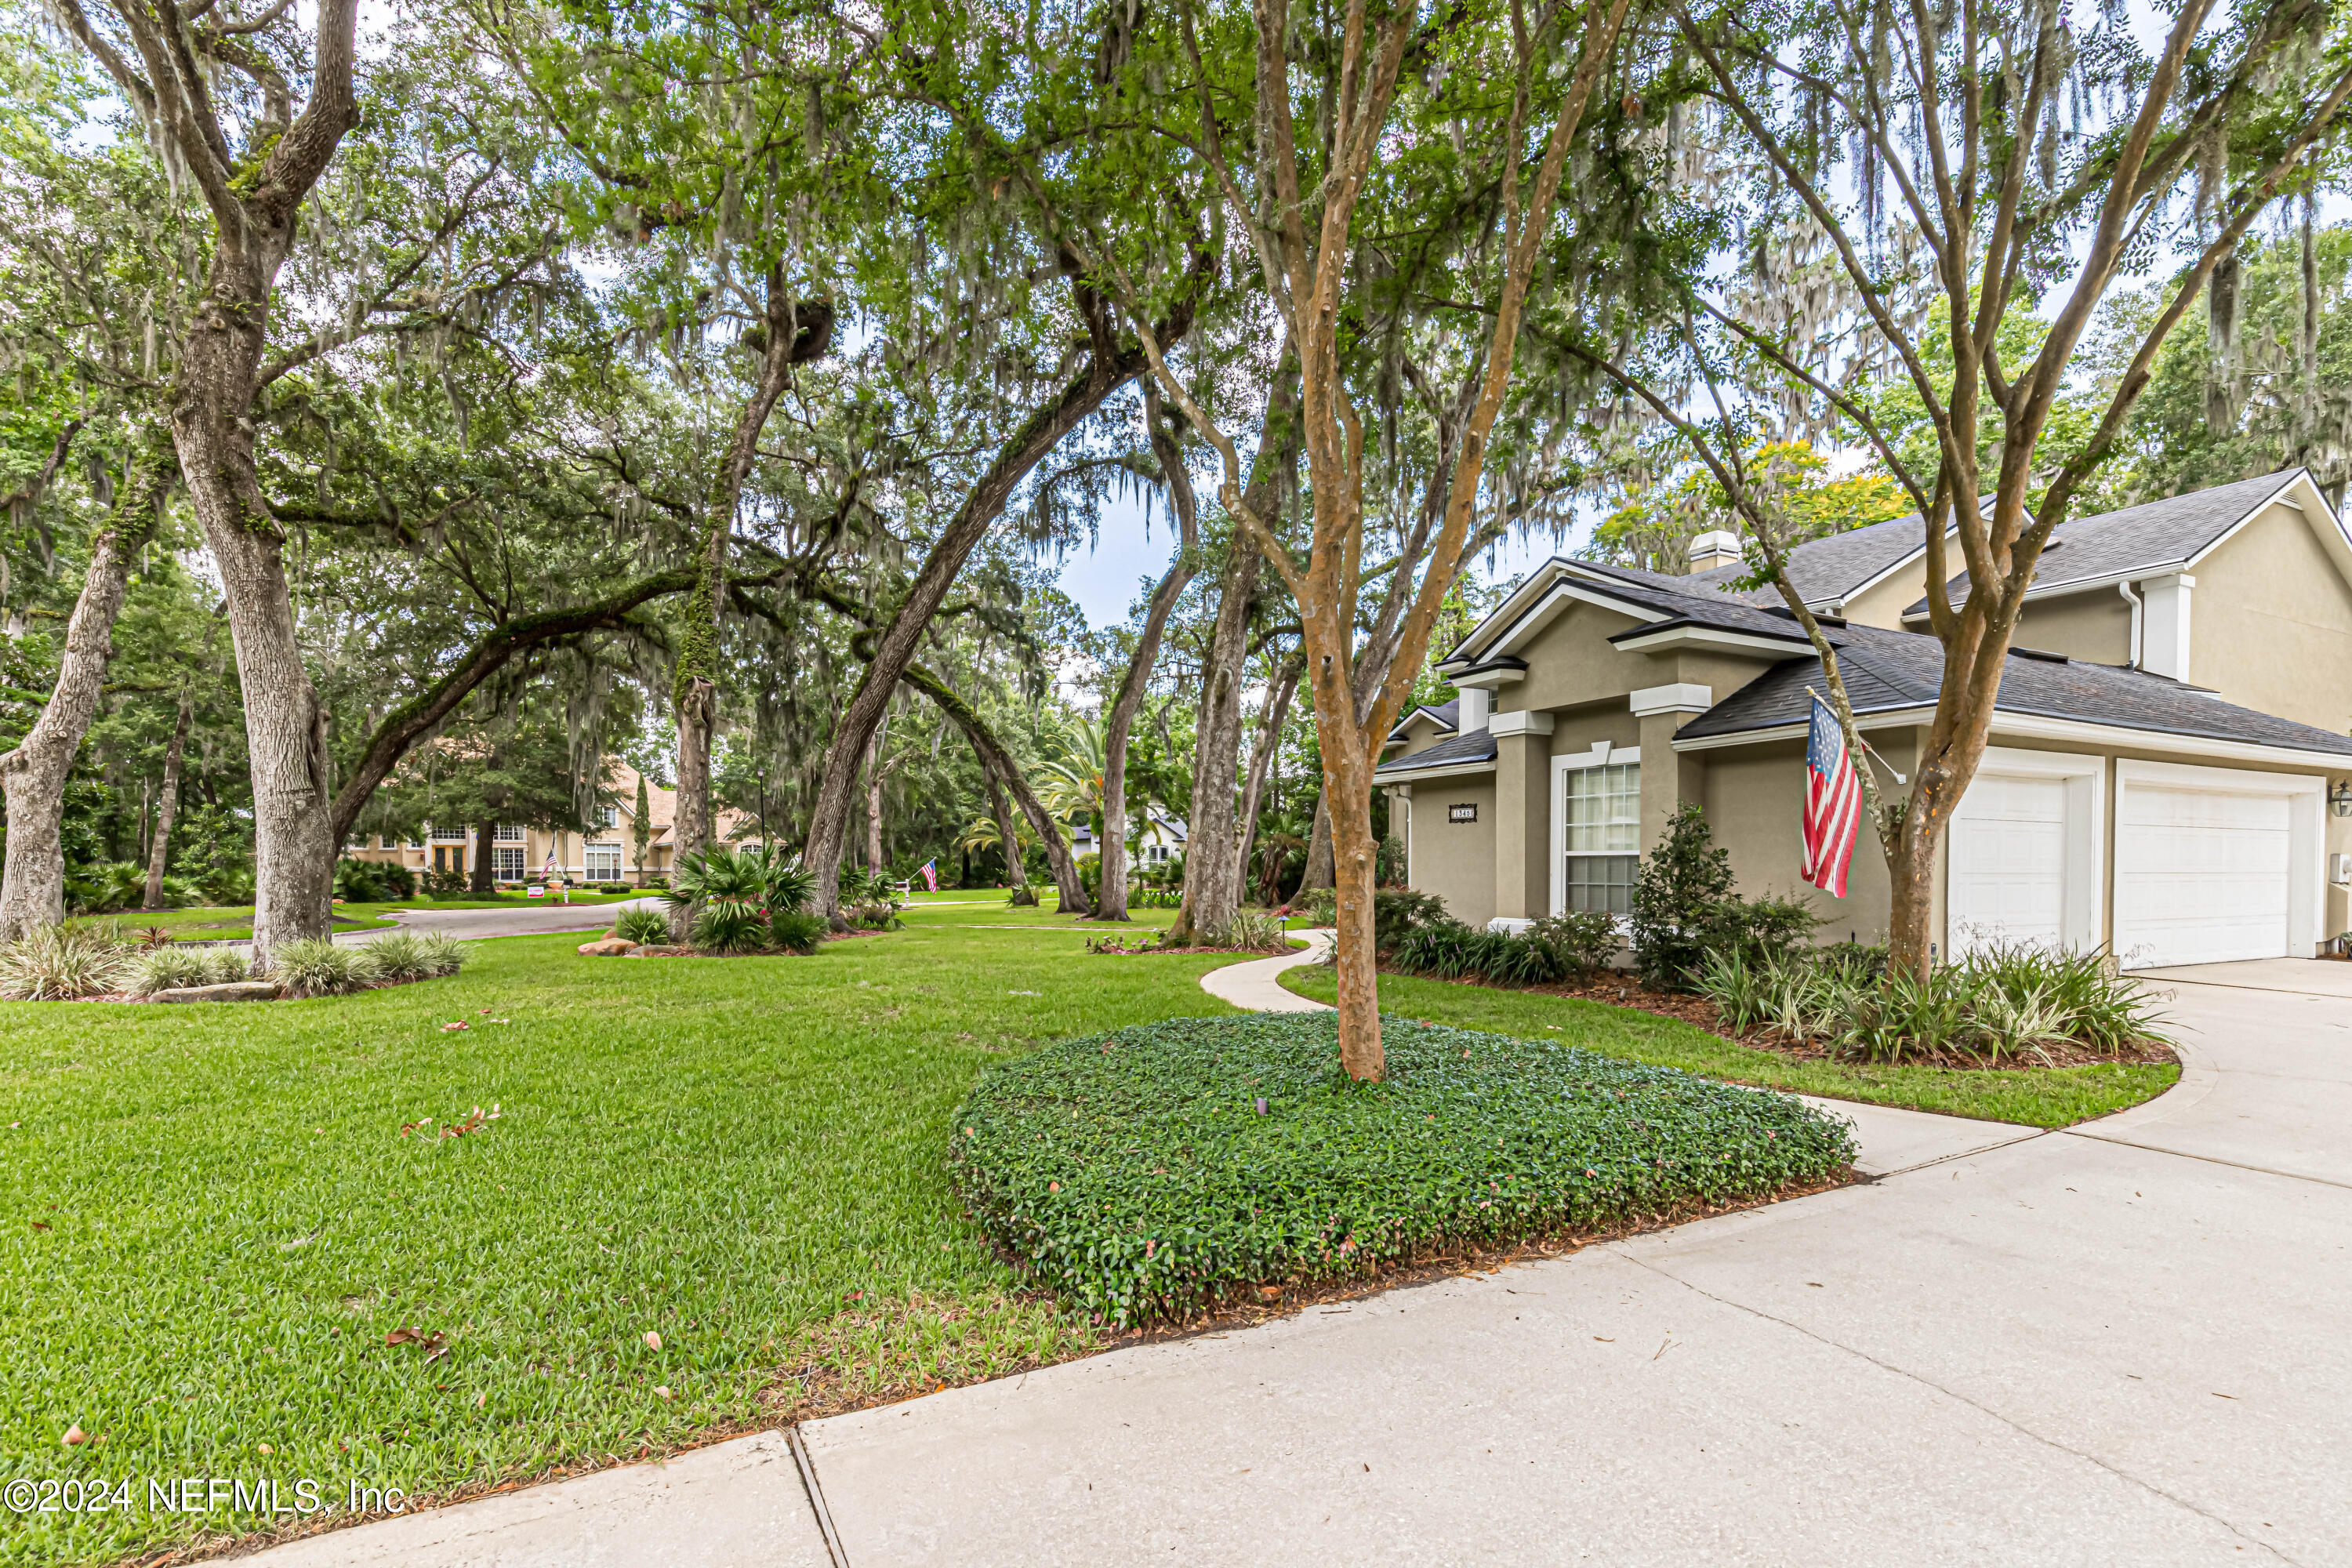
x,y
607,947
229,991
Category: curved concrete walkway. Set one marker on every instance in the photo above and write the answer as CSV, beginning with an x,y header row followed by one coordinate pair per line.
x,y
2118,1343
1253,986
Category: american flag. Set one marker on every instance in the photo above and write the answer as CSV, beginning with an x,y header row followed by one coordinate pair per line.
x,y
1832,803
932,873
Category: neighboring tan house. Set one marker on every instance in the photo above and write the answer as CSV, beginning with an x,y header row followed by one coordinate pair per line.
x,y
607,853
2169,767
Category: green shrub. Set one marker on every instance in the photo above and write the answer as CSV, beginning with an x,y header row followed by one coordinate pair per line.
x,y
1586,940
315,966
1397,912
874,917
1684,909
446,882
1257,930
374,881
166,969
1090,876
1133,1173
226,965
646,928
442,952
105,886
797,931
1021,898
395,959
613,887
722,925
62,963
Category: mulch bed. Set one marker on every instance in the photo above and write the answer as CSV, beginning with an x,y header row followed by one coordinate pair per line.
x,y
1622,991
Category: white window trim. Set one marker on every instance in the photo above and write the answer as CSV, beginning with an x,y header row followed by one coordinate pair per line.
x,y
1602,754
2306,907
2082,903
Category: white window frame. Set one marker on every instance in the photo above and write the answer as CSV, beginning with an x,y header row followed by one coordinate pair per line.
x,y
506,835
589,873
2306,905
2084,889
1603,754
505,855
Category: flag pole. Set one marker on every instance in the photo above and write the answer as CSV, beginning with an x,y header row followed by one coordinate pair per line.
x,y
1866,746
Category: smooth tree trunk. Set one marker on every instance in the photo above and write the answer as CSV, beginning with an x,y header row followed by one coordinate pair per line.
x,y
167,799
1111,363
33,774
1271,719
1111,902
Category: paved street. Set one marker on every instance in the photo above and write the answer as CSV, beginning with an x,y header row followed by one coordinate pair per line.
x,y
2121,1343
527,921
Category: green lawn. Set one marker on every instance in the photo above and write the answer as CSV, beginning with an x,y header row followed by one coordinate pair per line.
x,y
2044,1097
234,923
745,1156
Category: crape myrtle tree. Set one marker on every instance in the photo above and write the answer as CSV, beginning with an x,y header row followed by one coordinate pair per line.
x,y
218,91
2020,166
1329,153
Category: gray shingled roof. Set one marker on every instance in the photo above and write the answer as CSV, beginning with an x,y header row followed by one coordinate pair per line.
x,y
1826,570
1448,716
2149,539
1478,746
1672,600
1887,671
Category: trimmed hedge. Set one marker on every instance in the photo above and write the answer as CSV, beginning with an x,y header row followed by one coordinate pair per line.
x,y
1133,1173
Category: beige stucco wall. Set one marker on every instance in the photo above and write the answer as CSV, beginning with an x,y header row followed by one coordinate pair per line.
x,y
2271,622
1455,860
1755,802
2093,626
1882,604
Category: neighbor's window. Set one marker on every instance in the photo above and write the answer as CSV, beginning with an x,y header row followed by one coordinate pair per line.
x,y
1604,836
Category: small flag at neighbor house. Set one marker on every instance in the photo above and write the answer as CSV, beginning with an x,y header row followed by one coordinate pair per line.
x,y
1832,803
932,873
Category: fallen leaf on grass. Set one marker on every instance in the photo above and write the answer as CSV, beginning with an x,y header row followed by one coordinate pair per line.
x,y
662,1389
653,1340
436,1343
460,1024
75,1436
40,1224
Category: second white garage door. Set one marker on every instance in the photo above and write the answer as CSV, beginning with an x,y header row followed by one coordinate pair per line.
x,y
2202,875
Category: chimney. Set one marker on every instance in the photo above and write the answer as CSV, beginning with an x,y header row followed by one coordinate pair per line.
x,y
1476,703
1716,547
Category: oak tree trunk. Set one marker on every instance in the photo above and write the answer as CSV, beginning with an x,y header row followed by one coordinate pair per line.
x,y
1016,875
167,800
33,774
1004,771
480,884
1212,874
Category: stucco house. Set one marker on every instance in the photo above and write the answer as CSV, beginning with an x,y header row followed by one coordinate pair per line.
x,y
607,853
2169,772
1161,841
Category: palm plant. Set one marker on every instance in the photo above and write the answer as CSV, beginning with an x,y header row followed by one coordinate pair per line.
x,y
1273,852
1071,784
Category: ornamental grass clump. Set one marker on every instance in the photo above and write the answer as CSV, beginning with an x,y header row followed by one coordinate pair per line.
x,y
166,969
1146,1174
63,963
314,966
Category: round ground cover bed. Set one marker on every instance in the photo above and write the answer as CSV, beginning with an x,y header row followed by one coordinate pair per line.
x,y
1149,1173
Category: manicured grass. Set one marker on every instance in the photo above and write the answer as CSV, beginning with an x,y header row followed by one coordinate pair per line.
x,y
2057,1097
234,922
745,1156
1157,1169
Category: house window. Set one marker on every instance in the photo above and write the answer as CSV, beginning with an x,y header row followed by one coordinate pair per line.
x,y
449,836
1603,815
505,835
603,862
505,861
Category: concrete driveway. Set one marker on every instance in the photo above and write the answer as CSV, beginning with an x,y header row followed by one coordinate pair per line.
x,y
531,920
2122,1343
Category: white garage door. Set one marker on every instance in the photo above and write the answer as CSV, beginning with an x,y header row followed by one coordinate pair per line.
x,y
2201,876
2008,868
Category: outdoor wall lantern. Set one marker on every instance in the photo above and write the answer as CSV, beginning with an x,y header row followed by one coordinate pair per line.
x,y
2340,797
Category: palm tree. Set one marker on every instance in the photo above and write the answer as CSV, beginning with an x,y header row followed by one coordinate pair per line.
x,y
1273,852
1071,784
